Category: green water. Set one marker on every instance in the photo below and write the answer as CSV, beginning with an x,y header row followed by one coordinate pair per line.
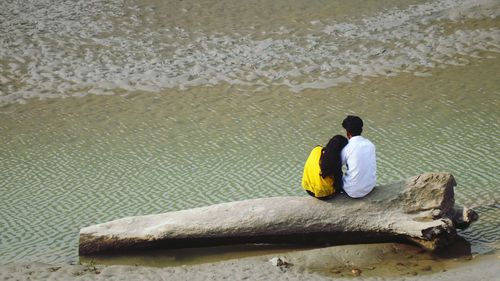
x,y
75,162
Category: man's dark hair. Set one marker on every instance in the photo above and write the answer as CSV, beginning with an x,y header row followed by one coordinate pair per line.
x,y
353,125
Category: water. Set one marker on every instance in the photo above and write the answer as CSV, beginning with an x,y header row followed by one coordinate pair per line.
x,y
119,108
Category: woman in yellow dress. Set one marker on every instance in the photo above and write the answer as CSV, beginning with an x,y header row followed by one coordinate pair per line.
x,y
322,176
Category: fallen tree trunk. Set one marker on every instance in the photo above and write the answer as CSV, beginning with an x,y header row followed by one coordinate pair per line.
x,y
420,209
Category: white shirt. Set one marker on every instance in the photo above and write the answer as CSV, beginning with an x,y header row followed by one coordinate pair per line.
x,y
361,175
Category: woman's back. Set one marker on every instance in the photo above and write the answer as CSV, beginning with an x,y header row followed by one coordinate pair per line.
x,y
312,179
323,168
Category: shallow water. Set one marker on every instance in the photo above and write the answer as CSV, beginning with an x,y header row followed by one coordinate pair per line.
x,y
219,109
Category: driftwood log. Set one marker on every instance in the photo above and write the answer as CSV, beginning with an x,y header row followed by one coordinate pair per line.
x,y
420,210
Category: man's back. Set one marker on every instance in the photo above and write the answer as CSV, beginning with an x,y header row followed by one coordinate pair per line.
x,y
360,159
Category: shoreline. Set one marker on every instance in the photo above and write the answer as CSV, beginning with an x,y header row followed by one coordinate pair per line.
x,y
387,261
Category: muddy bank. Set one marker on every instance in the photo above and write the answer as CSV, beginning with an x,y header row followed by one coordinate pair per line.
x,y
365,262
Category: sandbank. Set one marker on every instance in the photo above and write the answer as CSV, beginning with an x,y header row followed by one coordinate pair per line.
x,y
386,261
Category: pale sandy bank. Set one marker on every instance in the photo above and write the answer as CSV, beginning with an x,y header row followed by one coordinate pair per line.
x,y
371,262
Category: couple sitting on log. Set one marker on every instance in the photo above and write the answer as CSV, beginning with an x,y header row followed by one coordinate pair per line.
x,y
323,177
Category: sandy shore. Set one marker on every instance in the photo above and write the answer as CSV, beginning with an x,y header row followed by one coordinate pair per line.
x,y
364,262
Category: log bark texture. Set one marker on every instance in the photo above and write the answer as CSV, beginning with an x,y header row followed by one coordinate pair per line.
x,y
420,209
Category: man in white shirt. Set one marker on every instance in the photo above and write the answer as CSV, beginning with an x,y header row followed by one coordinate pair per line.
x,y
360,159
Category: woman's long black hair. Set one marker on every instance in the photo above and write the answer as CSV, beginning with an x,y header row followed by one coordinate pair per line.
x,y
330,161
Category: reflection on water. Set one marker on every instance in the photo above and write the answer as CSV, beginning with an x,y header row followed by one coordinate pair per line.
x,y
459,250
191,256
69,163
384,259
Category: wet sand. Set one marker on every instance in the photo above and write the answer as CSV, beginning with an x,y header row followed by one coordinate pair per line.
x,y
362,262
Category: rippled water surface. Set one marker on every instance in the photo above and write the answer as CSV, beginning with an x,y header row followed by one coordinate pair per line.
x,y
120,108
